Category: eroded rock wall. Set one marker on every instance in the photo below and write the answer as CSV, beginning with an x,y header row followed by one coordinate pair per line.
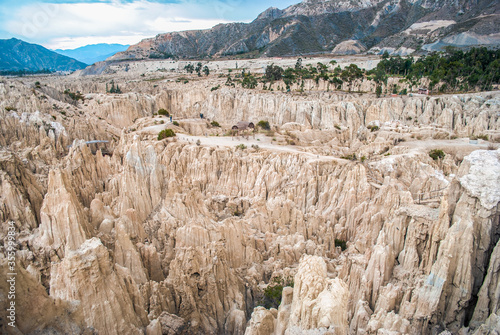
x,y
167,236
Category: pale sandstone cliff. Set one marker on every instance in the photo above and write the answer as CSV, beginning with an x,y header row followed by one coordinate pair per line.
x,y
169,236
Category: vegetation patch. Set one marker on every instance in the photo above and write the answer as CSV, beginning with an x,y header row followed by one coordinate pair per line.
x,y
165,133
272,294
264,125
351,157
163,111
184,80
74,96
341,243
453,70
373,128
436,154
113,89
248,81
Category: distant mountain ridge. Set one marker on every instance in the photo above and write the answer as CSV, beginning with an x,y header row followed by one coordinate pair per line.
x,y
93,53
319,26
17,55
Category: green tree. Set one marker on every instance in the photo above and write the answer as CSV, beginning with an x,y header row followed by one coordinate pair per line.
x,y
248,81
289,77
189,68
274,72
229,81
351,73
298,64
436,154
163,111
198,68
165,133
206,70
273,292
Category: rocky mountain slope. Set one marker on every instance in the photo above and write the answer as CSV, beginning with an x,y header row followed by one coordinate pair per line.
x,y
320,26
18,55
175,237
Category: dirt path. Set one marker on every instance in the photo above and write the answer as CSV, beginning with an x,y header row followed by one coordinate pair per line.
x,y
262,141
459,145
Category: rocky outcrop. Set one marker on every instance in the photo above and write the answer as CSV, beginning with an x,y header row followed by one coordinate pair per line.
x,y
107,294
350,47
463,115
21,193
451,254
318,303
487,303
64,223
167,236
34,310
321,26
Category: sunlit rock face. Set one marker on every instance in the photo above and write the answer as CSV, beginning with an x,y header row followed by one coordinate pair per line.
x,y
174,237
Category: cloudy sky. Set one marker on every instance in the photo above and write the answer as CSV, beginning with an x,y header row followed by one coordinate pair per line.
x,y
68,24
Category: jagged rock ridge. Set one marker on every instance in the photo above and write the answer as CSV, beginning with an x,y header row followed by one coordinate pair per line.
x,y
319,26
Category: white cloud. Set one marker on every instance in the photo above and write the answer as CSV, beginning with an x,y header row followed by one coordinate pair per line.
x,y
71,25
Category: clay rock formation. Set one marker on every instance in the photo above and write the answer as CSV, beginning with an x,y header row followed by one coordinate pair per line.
x,y
39,312
64,224
106,293
22,193
318,303
463,115
173,237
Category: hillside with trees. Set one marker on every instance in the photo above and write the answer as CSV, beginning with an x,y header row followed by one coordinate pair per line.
x,y
452,71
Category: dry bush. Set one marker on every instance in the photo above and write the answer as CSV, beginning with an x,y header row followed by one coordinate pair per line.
x,y
440,136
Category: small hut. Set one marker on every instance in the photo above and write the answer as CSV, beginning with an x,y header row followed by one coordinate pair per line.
x,y
423,90
242,128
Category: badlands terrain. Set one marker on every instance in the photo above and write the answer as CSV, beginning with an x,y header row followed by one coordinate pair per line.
x,y
188,235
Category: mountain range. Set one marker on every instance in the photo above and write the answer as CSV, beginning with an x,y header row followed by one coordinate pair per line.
x,y
338,26
91,54
310,27
17,55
